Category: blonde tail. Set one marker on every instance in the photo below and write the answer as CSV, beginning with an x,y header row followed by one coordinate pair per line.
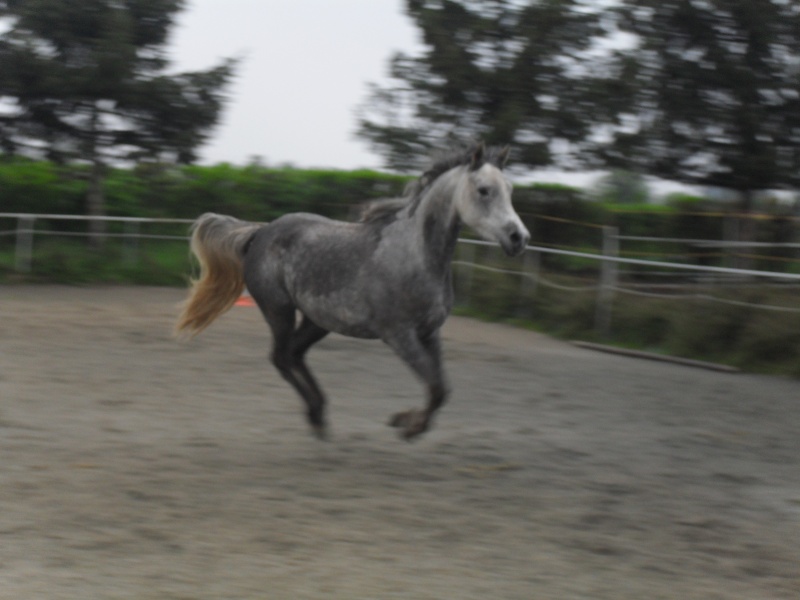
x,y
218,242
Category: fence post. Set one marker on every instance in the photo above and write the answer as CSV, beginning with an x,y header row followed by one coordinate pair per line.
x,y
131,243
531,264
24,248
608,281
731,234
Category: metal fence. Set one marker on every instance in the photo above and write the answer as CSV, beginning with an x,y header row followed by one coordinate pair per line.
x,y
26,230
606,286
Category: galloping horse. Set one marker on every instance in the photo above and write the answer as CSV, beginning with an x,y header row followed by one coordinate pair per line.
x,y
385,277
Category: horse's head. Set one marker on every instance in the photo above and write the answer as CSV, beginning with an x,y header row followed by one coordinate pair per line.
x,y
484,202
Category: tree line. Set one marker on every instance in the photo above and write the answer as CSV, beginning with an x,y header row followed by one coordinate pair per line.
x,y
696,91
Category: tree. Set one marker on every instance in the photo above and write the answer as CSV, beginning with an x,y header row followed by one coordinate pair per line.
x,y
704,92
530,73
84,80
713,93
623,187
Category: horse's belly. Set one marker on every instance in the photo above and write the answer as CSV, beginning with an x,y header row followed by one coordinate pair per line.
x,y
361,317
346,318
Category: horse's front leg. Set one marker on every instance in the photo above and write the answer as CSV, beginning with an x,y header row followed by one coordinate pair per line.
x,y
424,355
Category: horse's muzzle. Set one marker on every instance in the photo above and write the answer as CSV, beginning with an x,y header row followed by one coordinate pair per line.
x,y
516,240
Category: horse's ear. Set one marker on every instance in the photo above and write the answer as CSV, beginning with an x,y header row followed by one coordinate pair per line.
x,y
476,160
502,157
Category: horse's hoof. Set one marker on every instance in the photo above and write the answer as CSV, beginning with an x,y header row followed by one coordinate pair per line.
x,y
399,419
320,432
411,422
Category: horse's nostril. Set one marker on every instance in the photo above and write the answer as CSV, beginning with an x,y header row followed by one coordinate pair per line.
x,y
517,238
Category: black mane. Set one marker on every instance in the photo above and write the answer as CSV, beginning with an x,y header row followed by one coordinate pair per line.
x,y
386,210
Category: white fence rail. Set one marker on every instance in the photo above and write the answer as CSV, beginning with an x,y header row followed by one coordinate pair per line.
x,y
708,243
653,263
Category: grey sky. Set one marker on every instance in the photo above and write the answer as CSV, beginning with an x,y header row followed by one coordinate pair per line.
x,y
306,67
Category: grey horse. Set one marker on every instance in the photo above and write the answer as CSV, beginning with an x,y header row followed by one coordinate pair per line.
x,y
387,276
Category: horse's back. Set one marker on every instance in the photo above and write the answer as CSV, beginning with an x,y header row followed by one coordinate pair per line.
x,y
301,258
295,227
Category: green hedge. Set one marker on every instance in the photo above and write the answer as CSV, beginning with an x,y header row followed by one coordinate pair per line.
x,y
35,187
557,216
253,193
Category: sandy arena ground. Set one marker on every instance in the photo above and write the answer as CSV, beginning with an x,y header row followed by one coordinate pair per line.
x,y
136,467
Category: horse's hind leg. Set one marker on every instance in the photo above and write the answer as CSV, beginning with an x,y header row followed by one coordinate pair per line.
x,y
424,355
288,350
306,335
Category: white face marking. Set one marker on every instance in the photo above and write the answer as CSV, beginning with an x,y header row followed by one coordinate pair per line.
x,y
484,204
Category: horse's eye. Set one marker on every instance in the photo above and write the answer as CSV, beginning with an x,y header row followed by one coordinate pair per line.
x,y
483,190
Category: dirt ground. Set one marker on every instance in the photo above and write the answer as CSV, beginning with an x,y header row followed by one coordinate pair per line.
x,y
136,467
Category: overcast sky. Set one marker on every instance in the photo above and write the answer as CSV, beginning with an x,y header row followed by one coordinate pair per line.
x,y
305,69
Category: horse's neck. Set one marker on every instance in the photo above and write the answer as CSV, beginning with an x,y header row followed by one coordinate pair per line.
x,y
436,218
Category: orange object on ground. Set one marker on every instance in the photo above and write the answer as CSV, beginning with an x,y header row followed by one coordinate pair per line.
x,y
245,301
